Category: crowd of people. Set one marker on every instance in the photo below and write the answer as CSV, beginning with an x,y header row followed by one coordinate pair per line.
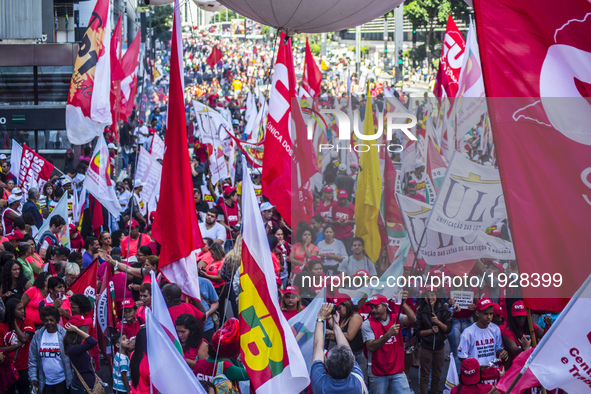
x,y
48,336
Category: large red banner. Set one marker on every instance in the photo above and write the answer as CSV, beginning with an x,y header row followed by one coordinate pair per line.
x,y
535,60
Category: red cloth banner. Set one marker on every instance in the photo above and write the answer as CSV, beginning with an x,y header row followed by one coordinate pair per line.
x,y
450,63
35,171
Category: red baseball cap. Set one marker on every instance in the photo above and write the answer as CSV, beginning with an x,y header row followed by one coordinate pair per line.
x,y
470,371
497,309
16,235
484,304
339,298
73,228
228,190
361,273
377,299
518,309
292,290
412,182
132,223
128,303
342,194
79,321
328,189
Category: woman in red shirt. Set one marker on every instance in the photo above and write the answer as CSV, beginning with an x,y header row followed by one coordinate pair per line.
x,y
291,303
139,368
190,332
303,250
33,296
15,338
213,272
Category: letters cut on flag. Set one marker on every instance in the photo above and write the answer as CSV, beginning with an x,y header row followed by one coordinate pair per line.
x,y
440,248
105,314
175,226
88,108
268,348
470,199
452,54
540,115
34,170
98,182
277,161
169,372
561,359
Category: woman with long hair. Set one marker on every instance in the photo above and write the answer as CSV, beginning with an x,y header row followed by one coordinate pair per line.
x,y
190,332
311,280
231,272
213,272
13,282
139,368
433,326
23,251
282,250
77,344
516,334
105,243
15,339
303,249
291,303
34,259
34,295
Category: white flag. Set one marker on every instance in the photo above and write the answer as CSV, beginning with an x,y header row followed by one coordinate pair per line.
x,y
169,372
157,148
470,103
98,182
439,248
562,359
61,209
149,171
452,376
211,124
303,325
470,199
16,153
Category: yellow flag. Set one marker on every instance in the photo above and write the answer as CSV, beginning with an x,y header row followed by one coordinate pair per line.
x,y
369,191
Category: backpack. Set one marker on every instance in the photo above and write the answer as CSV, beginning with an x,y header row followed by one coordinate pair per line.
x,y
223,385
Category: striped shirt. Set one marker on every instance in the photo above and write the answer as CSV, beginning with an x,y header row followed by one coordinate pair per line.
x,y
120,365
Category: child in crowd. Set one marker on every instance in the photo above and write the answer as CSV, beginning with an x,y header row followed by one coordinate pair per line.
x,y
130,324
123,347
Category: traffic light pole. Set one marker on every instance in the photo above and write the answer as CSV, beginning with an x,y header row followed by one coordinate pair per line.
x,y
398,40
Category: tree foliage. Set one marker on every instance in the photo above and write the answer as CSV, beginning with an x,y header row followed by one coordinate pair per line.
x,y
162,23
429,14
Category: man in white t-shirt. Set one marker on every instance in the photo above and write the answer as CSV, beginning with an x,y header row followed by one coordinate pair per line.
x,y
141,133
483,341
211,228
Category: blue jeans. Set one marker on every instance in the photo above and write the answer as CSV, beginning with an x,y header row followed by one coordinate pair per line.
x,y
457,328
397,383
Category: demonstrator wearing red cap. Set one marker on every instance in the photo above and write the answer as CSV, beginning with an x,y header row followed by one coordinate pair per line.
x,y
130,324
516,334
385,346
482,341
134,240
470,379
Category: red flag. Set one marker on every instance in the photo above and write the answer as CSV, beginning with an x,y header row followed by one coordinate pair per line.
x,y
214,57
116,76
527,381
34,170
277,161
105,316
86,282
450,62
130,65
543,145
96,211
312,76
175,226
